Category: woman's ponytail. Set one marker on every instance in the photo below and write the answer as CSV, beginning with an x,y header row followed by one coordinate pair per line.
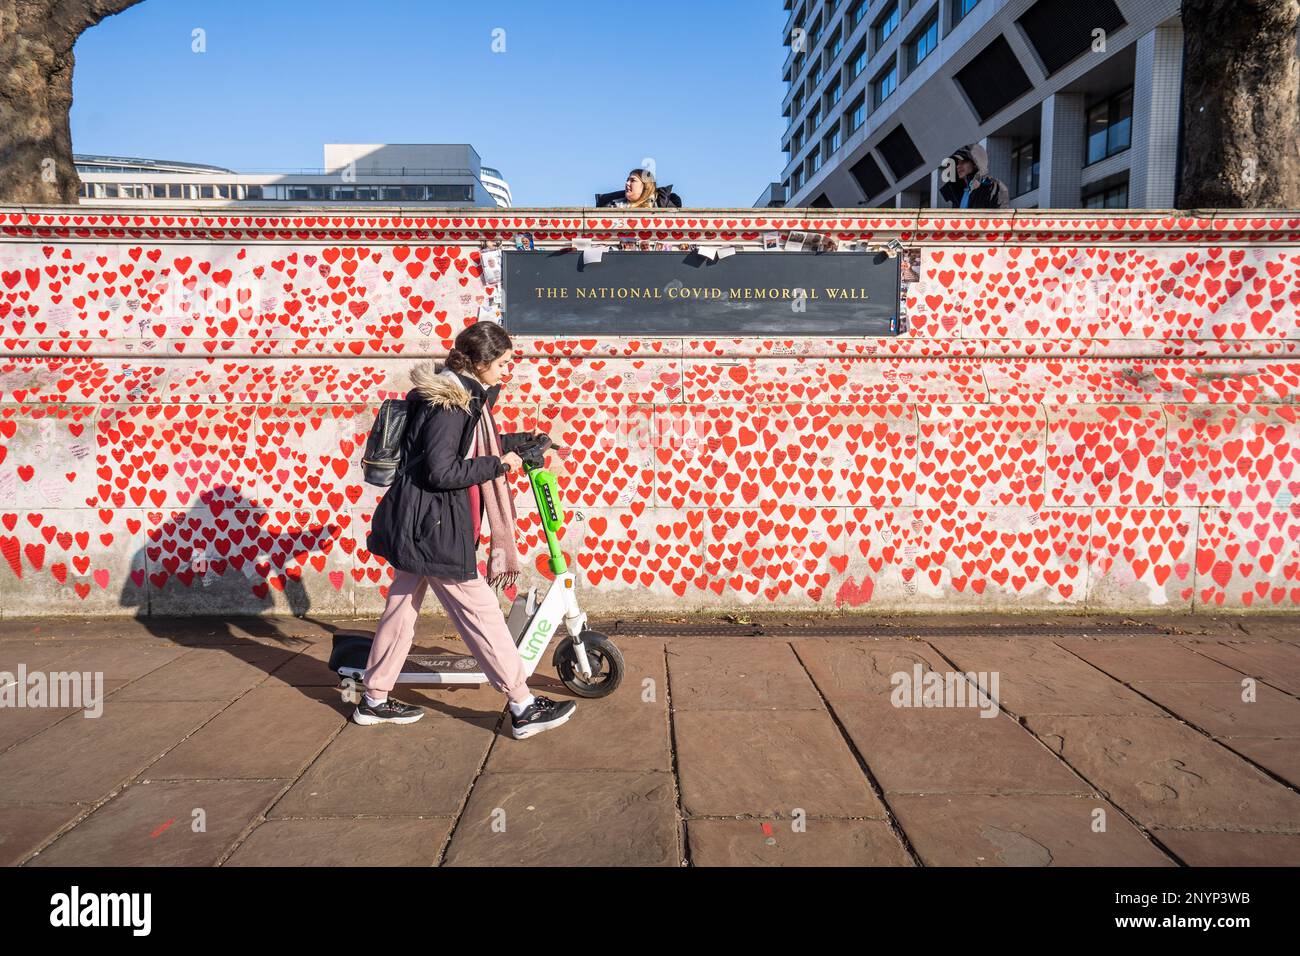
x,y
478,347
458,361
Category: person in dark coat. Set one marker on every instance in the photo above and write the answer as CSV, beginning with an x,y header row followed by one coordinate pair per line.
x,y
426,526
641,192
973,188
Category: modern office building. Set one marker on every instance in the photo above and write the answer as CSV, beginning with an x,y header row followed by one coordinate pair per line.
x,y
1077,104
496,184
390,174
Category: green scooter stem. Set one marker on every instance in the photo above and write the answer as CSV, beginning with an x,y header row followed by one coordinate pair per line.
x,y
546,492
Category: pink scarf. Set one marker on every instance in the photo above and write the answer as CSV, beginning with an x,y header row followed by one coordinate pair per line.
x,y
499,503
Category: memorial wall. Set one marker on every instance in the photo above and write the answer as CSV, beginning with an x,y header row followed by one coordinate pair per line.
x,y
1058,410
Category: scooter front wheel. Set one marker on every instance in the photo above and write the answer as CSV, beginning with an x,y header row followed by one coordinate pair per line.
x,y
606,665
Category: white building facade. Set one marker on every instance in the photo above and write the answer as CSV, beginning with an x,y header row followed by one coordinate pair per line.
x,y
353,173
1077,105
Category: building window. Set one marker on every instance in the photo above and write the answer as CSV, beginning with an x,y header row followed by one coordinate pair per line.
x,y
796,141
883,85
816,76
885,25
814,161
798,177
307,193
858,61
857,113
1114,197
1024,168
814,118
856,13
453,193
960,8
923,41
1110,127
836,44
831,143
832,94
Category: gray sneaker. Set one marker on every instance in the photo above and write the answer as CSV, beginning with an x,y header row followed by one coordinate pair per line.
x,y
389,712
542,714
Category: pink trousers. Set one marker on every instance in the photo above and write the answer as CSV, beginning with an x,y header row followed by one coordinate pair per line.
x,y
475,610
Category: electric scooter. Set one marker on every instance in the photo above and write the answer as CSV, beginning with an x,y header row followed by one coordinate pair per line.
x,y
587,661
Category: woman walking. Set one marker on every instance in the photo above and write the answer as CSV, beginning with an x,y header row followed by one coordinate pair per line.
x,y
427,527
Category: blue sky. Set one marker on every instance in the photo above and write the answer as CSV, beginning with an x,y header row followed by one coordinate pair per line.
x,y
583,92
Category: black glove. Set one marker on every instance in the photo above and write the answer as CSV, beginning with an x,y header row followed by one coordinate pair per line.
x,y
534,452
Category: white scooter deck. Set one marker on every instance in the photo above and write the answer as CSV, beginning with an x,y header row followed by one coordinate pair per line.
x,y
532,625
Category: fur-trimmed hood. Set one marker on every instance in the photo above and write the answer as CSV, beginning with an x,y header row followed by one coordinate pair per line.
x,y
439,385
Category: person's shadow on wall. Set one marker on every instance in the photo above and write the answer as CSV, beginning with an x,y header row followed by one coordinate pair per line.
x,y
188,588
204,579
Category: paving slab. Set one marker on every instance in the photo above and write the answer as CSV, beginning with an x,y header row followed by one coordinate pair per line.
x,y
81,760
1278,755
344,841
19,723
23,829
1218,709
208,673
638,710
1277,664
1037,677
853,673
36,656
269,732
128,660
153,824
746,674
469,702
942,750
422,768
1277,627
1020,830
568,818
1232,848
308,668
1148,659
824,842
1164,773
768,763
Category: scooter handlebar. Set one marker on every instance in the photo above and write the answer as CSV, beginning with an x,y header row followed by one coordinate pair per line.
x,y
533,454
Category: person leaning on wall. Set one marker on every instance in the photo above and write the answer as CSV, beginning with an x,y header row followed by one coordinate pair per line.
x,y
641,192
973,187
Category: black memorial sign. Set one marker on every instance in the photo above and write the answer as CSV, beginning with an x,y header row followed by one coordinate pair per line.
x,y
665,293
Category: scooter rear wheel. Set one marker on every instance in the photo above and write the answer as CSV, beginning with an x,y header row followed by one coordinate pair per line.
x,y
606,665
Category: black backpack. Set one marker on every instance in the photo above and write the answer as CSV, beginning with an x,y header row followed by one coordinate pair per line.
x,y
381,463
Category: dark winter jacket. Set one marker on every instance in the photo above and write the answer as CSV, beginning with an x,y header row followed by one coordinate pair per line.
x,y
664,198
423,524
988,193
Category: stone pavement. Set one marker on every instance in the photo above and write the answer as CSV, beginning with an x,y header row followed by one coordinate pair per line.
x,y
1118,741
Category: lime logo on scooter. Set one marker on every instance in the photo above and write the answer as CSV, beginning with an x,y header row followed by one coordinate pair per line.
x,y
536,641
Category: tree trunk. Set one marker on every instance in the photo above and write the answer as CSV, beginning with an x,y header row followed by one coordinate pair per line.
x,y
36,40
1241,105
